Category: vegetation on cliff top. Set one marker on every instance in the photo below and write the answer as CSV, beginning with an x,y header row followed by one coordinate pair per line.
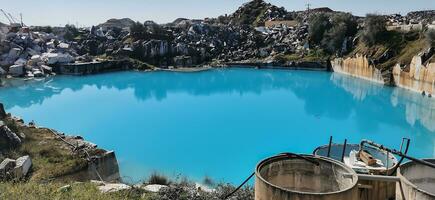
x,y
387,48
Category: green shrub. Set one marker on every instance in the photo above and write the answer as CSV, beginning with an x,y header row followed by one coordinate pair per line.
x,y
159,179
319,24
374,30
343,26
430,37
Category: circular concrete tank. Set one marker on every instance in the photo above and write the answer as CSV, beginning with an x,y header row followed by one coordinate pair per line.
x,y
417,181
285,177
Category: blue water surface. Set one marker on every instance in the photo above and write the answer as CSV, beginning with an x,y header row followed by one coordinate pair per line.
x,y
220,123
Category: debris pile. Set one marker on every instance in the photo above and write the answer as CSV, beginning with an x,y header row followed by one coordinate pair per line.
x,y
30,54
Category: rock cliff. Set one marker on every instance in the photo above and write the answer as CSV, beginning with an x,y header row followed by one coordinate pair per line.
x,y
358,66
420,77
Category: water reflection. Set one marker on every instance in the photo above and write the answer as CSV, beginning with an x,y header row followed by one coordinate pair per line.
x,y
317,99
413,109
194,114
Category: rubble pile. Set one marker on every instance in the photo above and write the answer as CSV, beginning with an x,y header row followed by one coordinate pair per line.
x,y
256,12
417,17
29,54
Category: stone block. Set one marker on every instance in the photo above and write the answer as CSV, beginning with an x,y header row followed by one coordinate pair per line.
x,y
22,166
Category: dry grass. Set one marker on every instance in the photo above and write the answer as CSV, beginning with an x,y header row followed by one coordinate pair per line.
x,y
32,190
51,157
403,47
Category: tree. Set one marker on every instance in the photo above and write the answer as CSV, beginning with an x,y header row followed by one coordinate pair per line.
x,y
319,24
137,30
342,27
430,37
374,29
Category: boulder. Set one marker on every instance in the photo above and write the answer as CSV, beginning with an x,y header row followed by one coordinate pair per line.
x,y
57,58
113,187
35,59
14,53
16,70
33,52
22,166
153,188
10,138
20,61
63,45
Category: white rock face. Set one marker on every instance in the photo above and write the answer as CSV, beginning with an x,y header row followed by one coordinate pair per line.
x,y
22,166
16,70
204,188
153,188
56,58
36,58
63,45
113,187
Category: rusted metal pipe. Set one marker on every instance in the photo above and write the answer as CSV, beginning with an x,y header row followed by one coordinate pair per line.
x,y
398,153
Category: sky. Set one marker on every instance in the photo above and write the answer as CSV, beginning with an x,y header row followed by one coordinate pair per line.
x,y
93,12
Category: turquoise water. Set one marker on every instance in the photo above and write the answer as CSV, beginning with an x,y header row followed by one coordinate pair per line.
x,y
220,123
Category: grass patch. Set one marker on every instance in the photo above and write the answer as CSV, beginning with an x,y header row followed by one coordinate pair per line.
x,y
32,190
402,47
51,157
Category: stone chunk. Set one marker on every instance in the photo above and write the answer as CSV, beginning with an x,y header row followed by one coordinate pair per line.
x,y
16,70
57,58
153,188
6,166
22,166
10,137
113,187
20,61
14,53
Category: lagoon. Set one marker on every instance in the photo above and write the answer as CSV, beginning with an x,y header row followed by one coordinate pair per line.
x,y
220,123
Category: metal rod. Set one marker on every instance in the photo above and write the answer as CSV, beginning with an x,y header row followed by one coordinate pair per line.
x,y
393,151
329,147
344,150
401,144
387,160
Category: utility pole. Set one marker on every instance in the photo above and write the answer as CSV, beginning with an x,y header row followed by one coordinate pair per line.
x,y
308,7
21,19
